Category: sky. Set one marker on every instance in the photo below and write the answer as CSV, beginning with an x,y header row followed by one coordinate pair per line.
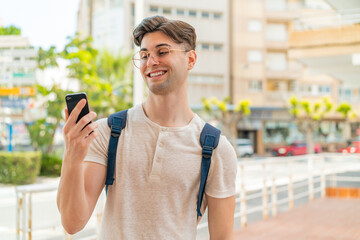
x,y
43,22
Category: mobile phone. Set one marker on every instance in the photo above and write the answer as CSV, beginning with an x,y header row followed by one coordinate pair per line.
x,y
73,99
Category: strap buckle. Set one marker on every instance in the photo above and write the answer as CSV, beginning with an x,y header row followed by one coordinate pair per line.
x,y
207,151
115,131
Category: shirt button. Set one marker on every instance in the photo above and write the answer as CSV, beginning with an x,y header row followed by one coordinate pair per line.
x,y
158,159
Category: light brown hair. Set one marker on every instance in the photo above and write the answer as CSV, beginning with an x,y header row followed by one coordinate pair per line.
x,y
179,31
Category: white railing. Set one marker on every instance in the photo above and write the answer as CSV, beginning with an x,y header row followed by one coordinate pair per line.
x,y
295,177
264,179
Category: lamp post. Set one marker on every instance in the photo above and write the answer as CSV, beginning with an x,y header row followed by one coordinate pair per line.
x,y
9,123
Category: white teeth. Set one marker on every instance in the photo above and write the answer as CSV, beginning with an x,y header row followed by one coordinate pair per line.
x,y
157,74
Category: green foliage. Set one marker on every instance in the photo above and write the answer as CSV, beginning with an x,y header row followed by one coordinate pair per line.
x,y
82,58
55,102
19,167
50,165
47,58
11,30
41,134
306,110
227,118
242,107
344,109
106,78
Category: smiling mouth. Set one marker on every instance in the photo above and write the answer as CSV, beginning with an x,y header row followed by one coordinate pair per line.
x,y
156,74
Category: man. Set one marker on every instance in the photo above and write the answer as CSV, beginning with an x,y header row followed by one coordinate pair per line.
x,y
157,172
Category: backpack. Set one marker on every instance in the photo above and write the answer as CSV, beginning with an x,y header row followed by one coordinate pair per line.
x,y
209,139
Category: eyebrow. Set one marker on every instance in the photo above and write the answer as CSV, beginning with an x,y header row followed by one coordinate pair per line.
x,y
157,46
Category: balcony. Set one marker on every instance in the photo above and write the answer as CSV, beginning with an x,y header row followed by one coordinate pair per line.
x,y
277,45
288,71
276,11
324,37
281,16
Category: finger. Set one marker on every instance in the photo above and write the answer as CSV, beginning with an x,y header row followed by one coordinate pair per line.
x,y
91,137
76,111
89,129
66,114
85,120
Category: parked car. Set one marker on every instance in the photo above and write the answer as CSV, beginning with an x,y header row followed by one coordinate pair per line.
x,y
353,148
297,148
244,147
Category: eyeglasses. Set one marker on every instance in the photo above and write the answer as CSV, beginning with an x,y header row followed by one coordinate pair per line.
x,y
142,57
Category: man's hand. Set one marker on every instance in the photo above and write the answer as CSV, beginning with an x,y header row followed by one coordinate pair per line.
x,y
77,138
221,217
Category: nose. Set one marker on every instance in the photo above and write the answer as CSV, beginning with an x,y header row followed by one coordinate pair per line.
x,y
152,60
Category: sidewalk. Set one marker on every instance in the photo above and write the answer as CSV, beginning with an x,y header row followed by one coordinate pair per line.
x,y
323,219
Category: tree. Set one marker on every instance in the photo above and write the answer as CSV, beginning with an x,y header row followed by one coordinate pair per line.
x,y
47,58
228,118
106,78
42,131
11,30
345,110
308,116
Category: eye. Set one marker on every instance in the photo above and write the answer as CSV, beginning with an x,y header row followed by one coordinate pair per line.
x,y
162,52
143,55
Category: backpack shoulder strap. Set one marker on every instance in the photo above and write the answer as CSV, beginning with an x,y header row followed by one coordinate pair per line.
x,y
116,122
209,140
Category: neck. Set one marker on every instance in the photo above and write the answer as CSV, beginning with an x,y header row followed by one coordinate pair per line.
x,y
171,110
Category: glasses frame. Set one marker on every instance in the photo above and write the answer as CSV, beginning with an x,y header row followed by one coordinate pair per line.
x,y
155,57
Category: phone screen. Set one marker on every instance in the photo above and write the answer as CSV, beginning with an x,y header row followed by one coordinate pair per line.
x,y
73,99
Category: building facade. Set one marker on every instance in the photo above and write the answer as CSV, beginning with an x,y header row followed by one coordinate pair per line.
x,y
285,48
18,62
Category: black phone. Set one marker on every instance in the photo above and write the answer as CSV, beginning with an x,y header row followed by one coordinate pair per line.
x,y
73,99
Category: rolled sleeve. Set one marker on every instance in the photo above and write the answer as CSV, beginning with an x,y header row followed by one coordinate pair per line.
x,y
98,148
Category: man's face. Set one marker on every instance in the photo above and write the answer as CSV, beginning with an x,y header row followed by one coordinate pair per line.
x,y
164,73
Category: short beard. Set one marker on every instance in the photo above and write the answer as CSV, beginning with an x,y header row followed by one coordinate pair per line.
x,y
161,89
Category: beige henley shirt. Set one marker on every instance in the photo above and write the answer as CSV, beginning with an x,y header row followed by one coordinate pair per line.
x,y
157,178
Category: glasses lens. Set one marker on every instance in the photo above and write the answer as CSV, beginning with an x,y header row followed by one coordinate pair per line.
x,y
136,60
162,52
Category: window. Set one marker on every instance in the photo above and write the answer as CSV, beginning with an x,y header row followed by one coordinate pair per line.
x,y
293,86
255,85
180,12
276,32
154,9
276,5
206,79
276,61
205,14
306,88
254,56
205,46
324,89
192,13
167,10
217,15
218,47
254,26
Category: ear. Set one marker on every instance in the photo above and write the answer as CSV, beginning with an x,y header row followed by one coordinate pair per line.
x,y
191,59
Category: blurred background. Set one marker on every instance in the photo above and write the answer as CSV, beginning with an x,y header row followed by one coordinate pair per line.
x,y
259,53
279,77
